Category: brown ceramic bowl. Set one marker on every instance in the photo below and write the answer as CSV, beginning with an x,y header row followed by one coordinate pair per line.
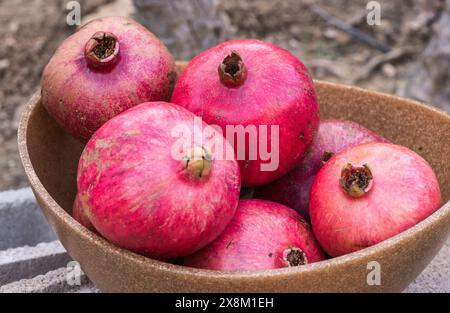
x,y
50,158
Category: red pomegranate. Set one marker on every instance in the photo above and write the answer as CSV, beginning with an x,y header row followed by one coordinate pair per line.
x,y
262,235
143,191
368,193
333,136
80,215
263,99
106,67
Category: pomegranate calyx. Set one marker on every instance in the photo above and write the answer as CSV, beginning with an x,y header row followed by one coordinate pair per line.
x,y
232,70
101,49
197,163
356,181
293,256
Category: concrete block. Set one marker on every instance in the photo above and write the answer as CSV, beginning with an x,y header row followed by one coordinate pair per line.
x,y
436,277
27,262
52,282
21,220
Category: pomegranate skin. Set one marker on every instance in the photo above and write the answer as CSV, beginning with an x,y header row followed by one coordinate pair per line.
x,y
275,89
333,136
402,192
80,215
82,94
140,197
258,238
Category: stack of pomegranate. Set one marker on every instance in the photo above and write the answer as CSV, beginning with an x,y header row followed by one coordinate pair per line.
x,y
166,156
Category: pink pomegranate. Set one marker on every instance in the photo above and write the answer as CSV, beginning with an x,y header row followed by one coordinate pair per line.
x,y
80,215
106,67
333,136
145,190
368,193
262,235
263,99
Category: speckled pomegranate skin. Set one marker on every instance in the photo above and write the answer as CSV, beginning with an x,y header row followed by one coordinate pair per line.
x,y
256,238
138,196
278,90
333,136
404,192
81,98
79,214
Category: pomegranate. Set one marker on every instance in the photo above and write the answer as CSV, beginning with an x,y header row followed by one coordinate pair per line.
x,y
263,99
140,196
106,67
262,235
368,193
80,215
333,136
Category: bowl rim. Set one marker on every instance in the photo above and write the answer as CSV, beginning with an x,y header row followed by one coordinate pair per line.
x,y
63,216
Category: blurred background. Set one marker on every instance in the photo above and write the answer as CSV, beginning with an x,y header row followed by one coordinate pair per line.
x,y
408,54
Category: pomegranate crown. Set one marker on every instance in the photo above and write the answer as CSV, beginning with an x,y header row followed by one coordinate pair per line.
x,y
356,181
232,70
102,50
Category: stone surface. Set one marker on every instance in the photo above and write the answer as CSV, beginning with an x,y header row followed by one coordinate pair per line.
x,y
436,277
28,262
54,282
186,30
21,220
429,78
